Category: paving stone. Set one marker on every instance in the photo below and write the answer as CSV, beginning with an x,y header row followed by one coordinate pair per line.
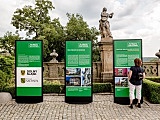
x,y
54,108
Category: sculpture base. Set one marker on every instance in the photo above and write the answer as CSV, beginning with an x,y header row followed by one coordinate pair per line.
x,y
107,77
107,40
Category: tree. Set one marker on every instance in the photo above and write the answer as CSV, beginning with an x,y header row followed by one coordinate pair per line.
x,y
33,20
57,40
36,21
8,42
78,29
55,37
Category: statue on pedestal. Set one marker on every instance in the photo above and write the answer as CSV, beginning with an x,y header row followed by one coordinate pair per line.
x,y
158,54
54,55
104,26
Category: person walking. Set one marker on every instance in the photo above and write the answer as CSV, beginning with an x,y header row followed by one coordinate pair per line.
x,y
135,76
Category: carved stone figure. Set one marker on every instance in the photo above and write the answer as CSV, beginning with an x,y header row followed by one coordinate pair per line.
x,y
54,55
158,54
104,26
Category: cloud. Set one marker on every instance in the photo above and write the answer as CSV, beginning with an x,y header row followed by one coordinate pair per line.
x,y
132,18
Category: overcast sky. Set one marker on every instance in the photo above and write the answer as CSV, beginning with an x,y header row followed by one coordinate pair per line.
x,y
133,19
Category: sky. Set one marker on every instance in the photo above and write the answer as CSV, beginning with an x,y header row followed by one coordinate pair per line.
x,y
132,19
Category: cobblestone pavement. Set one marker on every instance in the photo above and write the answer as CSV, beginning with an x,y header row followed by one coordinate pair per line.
x,y
54,108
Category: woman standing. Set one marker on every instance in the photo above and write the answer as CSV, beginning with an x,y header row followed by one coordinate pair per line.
x,y
135,77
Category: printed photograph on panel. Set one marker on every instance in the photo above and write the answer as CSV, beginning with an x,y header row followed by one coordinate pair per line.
x,y
73,71
86,76
73,81
121,81
120,72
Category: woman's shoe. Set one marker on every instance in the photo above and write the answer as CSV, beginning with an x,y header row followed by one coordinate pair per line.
x,y
131,106
138,105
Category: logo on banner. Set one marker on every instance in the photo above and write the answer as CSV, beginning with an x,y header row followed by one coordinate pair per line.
x,y
84,45
22,72
132,44
31,72
23,80
33,45
27,80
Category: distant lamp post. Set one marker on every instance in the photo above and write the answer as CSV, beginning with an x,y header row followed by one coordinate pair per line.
x,y
158,54
54,55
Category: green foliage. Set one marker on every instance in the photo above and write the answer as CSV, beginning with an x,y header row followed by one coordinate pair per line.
x,y
6,71
151,90
51,88
78,29
3,80
7,42
154,79
36,21
101,87
56,87
56,39
31,19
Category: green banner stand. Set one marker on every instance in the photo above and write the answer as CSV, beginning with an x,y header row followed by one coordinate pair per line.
x,y
124,53
78,71
28,71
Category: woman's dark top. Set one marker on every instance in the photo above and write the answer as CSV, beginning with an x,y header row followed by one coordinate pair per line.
x,y
134,79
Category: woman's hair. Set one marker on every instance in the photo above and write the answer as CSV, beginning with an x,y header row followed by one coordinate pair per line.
x,y
137,62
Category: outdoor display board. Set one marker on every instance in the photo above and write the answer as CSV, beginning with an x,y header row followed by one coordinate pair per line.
x,y
125,51
78,71
28,77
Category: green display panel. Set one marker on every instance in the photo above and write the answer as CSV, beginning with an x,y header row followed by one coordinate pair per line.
x,y
125,51
28,68
78,78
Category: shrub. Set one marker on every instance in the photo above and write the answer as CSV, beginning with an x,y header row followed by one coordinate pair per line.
x,y
7,65
151,90
154,79
55,87
101,87
3,80
6,71
51,87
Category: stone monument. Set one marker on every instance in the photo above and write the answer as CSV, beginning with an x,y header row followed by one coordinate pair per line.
x,y
158,54
53,65
106,47
54,55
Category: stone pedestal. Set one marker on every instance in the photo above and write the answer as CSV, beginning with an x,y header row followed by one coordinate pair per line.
x,y
53,70
106,49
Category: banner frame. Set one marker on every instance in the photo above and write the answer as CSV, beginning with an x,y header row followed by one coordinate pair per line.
x,y
29,99
124,100
79,99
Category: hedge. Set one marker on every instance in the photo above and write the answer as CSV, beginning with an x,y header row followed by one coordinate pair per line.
x,y
102,87
151,90
154,79
59,88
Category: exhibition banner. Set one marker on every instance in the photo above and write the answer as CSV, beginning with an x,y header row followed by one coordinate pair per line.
x,y
78,65
29,65
125,51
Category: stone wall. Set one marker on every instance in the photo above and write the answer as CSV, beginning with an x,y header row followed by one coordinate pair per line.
x,y
152,69
55,71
